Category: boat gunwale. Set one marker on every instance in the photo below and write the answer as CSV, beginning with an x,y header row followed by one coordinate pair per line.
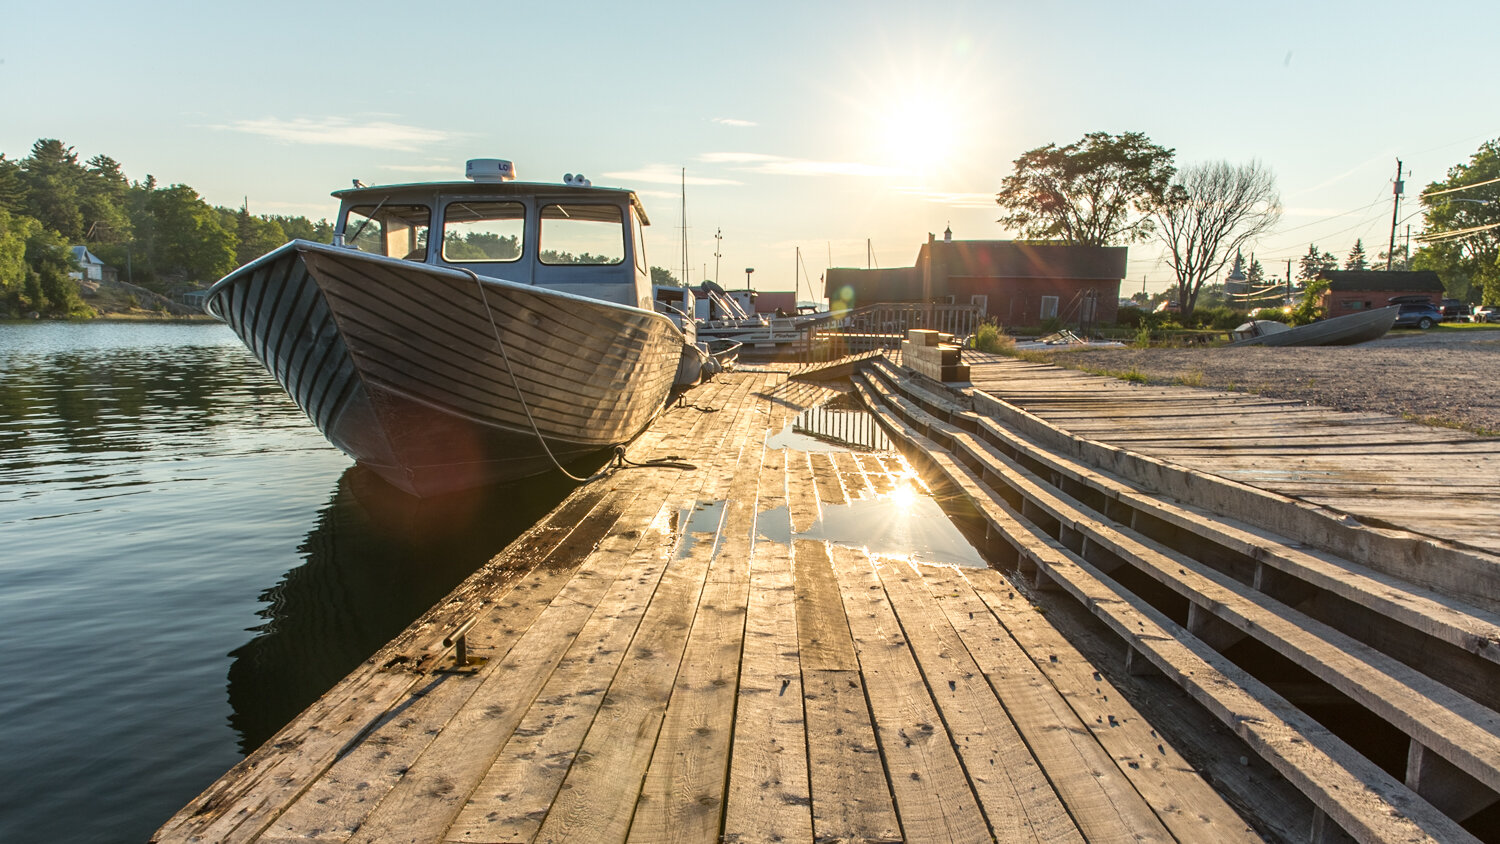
x,y
303,246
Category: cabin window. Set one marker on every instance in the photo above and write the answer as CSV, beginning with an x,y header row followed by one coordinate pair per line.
x,y
478,232
582,234
398,231
640,242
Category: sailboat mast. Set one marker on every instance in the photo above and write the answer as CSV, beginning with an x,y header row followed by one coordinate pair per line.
x,y
685,281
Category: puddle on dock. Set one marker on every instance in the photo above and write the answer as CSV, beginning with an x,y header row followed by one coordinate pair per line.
x,y
691,524
907,522
839,424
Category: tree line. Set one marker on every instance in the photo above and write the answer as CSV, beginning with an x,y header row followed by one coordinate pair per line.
x,y
1106,190
164,238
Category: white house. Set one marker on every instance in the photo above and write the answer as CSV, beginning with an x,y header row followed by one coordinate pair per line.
x,y
90,268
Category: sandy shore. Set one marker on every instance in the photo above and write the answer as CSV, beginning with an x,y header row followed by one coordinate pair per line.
x,y
1446,376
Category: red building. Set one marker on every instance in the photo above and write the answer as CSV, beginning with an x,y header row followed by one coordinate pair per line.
x,y
774,301
1359,290
1015,283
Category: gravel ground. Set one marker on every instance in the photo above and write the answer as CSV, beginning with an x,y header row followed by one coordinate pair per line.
x,y
1446,376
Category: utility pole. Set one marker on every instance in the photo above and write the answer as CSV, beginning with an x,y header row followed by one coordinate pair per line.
x,y
685,281
1390,252
1289,281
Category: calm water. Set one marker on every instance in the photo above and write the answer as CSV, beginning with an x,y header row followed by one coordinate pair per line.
x,y
185,564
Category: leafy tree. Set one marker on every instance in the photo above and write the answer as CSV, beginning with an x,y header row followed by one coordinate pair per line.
x,y
663,276
1472,259
301,228
1095,191
1208,215
190,244
15,230
254,236
1356,259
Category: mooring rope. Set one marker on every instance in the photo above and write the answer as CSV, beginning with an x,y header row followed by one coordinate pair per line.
x,y
619,461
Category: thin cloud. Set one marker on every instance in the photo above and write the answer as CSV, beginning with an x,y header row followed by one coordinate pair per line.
x,y
422,168
665,174
738,158
758,162
952,200
731,121
338,131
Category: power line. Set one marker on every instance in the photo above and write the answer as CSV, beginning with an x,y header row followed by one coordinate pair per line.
x,y
1456,233
1459,188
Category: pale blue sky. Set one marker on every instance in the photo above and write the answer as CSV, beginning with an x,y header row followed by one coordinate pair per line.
x,y
805,124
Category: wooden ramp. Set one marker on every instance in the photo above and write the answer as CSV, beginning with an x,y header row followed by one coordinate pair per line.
x,y
679,665
1385,471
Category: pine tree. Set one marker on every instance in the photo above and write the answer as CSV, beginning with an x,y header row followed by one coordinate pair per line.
x,y
1356,259
1255,276
1309,265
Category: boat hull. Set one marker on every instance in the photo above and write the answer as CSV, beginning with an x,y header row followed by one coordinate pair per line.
x,y
1339,331
400,365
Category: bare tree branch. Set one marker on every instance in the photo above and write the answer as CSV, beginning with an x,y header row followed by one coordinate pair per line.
x,y
1210,212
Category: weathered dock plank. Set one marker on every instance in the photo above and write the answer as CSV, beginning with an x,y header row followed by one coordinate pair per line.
x,y
673,662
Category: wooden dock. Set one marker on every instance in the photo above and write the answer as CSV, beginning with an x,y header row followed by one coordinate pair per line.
x,y
667,656
676,665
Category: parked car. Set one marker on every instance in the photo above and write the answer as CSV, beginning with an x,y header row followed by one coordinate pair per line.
x,y
1485,313
1418,315
1455,310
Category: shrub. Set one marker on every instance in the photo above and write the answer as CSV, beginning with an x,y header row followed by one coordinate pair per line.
x,y
990,339
1130,317
1220,318
1274,314
1310,309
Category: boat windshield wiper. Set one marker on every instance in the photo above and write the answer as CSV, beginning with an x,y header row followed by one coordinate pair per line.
x,y
349,239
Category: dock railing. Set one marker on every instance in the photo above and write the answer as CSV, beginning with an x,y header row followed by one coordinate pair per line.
x,y
882,326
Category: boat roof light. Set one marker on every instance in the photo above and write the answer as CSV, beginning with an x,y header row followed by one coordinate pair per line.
x,y
577,180
490,170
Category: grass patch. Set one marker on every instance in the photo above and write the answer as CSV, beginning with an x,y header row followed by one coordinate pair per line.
x,y
1191,379
1133,375
1438,422
1466,326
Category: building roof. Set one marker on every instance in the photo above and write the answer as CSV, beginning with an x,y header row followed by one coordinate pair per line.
x,y
1016,259
82,255
1394,281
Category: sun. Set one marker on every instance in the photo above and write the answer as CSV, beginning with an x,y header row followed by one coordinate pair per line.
x,y
919,131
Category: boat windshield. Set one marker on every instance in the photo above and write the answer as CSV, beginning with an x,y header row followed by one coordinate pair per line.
x,y
476,232
582,234
398,231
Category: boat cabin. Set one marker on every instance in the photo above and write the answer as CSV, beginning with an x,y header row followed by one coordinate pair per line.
x,y
571,237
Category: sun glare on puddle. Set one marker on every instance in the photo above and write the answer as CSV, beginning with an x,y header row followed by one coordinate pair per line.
x,y
903,497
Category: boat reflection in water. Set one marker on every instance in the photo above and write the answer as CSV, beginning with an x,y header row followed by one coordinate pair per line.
x,y
376,560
